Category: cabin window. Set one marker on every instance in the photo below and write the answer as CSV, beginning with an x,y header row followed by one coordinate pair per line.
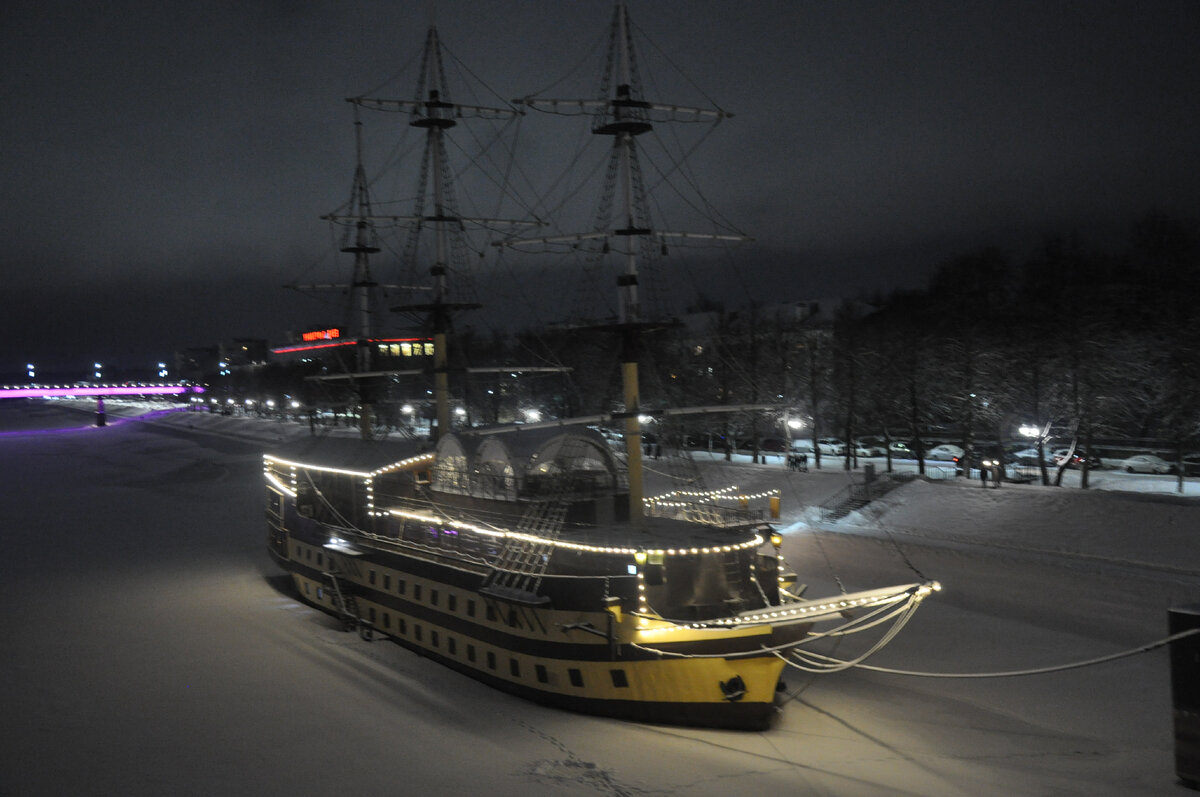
x,y
542,676
320,593
491,612
433,597
371,577
619,679
320,559
433,638
417,632
451,645
470,653
451,602
387,581
399,586
308,554
401,625
306,588
491,660
371,614
387,620
416,592
514,667
470,608
576,677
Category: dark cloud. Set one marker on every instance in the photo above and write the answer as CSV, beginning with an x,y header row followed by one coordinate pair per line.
x,y
163,159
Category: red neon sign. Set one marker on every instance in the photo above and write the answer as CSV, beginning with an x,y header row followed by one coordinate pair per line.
x,y
321,334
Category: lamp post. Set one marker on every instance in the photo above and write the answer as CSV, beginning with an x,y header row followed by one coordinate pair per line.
x,y
1036,433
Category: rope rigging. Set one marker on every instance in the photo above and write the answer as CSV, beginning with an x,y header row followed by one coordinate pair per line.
x,y
1146,648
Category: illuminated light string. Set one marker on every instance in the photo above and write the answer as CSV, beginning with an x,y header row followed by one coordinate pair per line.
x,y
60,391
908,596
404,463
754,542
724,493
574,546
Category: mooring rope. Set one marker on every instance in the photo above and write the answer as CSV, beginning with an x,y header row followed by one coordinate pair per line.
x,y
836,664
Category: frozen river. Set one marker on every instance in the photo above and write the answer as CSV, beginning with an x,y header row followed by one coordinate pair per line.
x,y
150,647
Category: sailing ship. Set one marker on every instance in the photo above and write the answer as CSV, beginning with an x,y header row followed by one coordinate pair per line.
x,y
528,556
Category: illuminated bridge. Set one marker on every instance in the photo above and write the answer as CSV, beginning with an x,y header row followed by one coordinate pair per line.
x,y
99,392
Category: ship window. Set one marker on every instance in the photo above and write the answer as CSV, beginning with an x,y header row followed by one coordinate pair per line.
x,y
371,576
433,638
399,586
451,645
470,653
433,597
401,625
576,677
417,632
416,592
470,608
387,620
320,559
542,675
514,667
371,614
308,554
387,581
320,593
306,588
491,612
619,679
451,602
491,658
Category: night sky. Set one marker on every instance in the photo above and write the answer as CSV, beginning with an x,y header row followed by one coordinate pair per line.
x,y
165,164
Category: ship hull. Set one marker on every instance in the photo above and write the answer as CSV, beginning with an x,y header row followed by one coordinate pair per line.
x,y
582,661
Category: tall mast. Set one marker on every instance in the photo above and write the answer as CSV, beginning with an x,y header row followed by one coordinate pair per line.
x,y
622,113
433,112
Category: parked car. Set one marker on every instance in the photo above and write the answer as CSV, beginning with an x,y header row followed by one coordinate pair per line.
x,y
1028,456
869,447
901,449
1146,463
831,445
1077,458
946,451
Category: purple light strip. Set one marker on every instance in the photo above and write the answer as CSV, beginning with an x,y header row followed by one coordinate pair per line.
x,y
99,390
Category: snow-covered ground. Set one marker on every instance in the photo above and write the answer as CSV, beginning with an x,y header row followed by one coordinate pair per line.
x,y
149,646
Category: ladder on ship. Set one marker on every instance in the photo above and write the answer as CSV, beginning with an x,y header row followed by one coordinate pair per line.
x,y
343,599
518,569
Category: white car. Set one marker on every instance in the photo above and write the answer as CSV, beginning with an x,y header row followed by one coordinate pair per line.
x,y
831,445
869,448
1028,456
946,451
1147,463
